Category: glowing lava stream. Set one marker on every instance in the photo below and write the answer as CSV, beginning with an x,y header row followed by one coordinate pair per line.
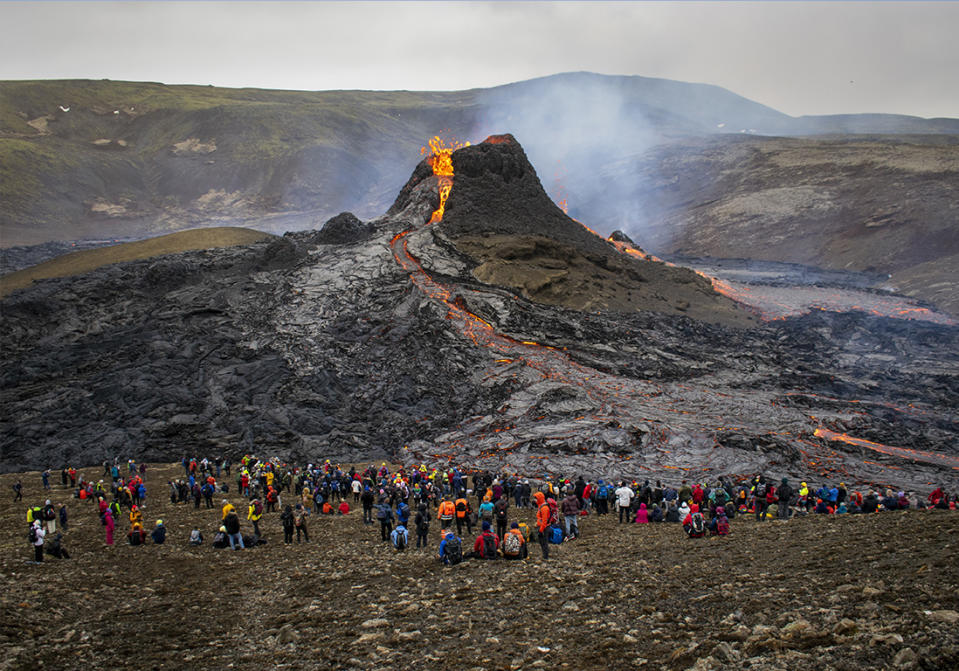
x,y
901,452
618,398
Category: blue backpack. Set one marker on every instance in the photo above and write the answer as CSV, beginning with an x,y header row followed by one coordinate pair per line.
x,y
555,535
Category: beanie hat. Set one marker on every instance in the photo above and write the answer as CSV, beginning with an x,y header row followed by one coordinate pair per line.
x,y
485,526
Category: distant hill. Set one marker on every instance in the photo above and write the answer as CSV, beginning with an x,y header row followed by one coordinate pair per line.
x,y
86,159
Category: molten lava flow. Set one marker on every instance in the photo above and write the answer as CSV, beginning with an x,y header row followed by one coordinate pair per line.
x,y
901,452
440,158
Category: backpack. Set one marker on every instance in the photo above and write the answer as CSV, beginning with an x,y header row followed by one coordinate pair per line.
x,y
489,546
32,534
502,513
524,529
454,550
603,492
720,496
257,508
401,540
487,514
697,525
722,526
460,507
761,490
555,535
511,545
553,511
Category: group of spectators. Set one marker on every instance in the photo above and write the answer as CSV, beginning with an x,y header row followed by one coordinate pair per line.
x,y
407,502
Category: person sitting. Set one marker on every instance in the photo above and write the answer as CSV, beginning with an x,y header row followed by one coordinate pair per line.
x,y
514,544
642,517
451,548
672,513
656,514
327,508
399,538
344,508
487,543
219,539
196,538
693,524
159,534
137,536
719,525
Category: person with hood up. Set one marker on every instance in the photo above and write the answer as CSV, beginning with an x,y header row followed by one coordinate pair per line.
x,y
109,525
399,538
542,522
785,494
287,519
684,511
422,522
642,517
656,514
137,535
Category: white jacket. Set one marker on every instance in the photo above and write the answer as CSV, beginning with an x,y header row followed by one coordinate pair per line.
x,y
623,496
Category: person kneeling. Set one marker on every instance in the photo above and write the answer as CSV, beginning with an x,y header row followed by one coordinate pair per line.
x,y
399,538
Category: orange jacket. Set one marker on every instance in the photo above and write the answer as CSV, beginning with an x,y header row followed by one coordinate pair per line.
x,y
447,509
542,512
466,506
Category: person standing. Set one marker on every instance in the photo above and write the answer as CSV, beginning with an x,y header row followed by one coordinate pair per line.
x,y
286,517
18,491
624,496
109,524
570,508
422,524
254,513
45,476
542,522
232,524
37,536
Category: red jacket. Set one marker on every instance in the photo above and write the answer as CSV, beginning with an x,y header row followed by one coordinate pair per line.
x,y
478,545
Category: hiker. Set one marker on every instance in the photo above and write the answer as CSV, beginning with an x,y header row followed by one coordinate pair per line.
x,y
514,543
300,522
219,539
159,533
487,543
693,524
17,491
254,513
45,476
624,495
343,508
501,515
399,538
136,535
136,517
227,508
36,540
232,524
286,518
196,538
571,509
63,516
542,522
462,506
759,499
451,548
785,495
446,512
50,517
384,513
109,523
719,525
55,548
642,517
367,499
422,525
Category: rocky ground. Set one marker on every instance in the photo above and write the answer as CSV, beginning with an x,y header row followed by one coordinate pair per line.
x,y
877,592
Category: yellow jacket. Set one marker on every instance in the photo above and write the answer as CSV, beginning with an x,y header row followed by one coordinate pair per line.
x,y
227,508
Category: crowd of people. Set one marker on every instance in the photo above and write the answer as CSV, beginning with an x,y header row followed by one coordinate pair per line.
x,y
504,513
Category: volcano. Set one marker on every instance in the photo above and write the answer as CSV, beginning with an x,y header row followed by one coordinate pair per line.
x,y
499,333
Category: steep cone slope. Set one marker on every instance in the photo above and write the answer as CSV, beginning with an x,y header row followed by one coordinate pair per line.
x,y
500,217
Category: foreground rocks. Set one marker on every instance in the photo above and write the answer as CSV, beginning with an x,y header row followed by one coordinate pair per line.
x,y
878,591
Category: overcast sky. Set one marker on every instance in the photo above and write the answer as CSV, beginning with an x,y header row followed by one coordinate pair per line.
x,y
800,58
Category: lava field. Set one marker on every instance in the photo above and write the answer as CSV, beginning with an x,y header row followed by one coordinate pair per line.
x,y
379,338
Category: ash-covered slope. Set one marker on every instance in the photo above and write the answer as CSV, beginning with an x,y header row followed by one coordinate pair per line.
x,y
386,344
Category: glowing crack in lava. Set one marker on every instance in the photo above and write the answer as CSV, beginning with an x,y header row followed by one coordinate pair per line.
x,y
901,452
440,157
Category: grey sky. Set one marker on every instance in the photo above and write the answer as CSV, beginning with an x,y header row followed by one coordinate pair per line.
x,y
800,58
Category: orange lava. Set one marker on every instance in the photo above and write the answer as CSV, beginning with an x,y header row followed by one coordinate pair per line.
x,y
440,157
901,452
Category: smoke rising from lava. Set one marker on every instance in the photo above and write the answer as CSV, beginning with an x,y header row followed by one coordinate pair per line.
x,y
572,127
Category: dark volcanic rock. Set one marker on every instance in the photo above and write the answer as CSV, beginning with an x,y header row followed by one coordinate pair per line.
x,y
342,229
496,191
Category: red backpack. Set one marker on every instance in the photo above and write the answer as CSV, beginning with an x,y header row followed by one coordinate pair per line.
x,y
722,526
553,511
